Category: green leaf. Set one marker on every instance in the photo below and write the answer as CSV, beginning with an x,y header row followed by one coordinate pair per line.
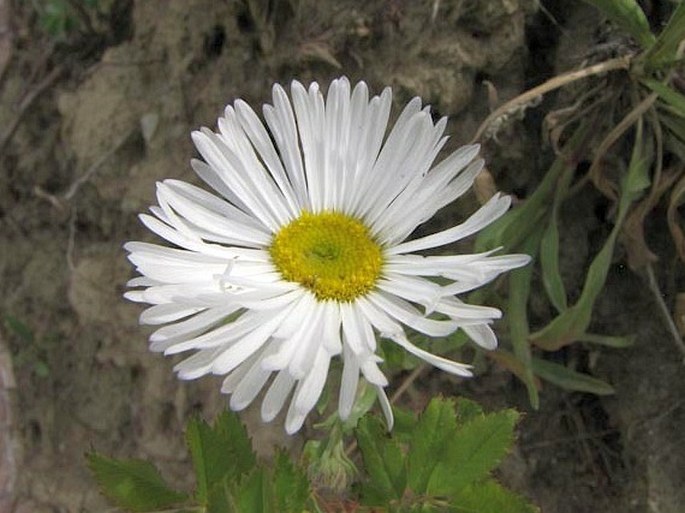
x,y
475,449
383,461
19,328
467,411
667,94
675,124
253,493
608,340
519,292
571,324
133,485
549,262
220,499
490,497
512,229
290,485
549,246
218,452
664,50
628,15
434,430
568,379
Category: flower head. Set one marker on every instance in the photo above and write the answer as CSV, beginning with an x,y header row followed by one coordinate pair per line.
x,y
303,255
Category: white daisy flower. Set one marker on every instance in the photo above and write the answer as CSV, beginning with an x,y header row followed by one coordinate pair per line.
x,y
303,255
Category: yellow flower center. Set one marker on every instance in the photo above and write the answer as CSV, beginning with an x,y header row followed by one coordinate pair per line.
x,y
329,253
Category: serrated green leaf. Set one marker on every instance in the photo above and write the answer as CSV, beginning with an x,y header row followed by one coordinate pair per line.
x,y
290,485
219,451
405,423
664,50
467,410
568,379
490,497
253,493
628,15
475,449
220,498
133,485
394,357
435,428
383,461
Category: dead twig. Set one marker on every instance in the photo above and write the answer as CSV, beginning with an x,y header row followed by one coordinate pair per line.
x,y
74,187
60,202
614,135
663,309
530,96
40,88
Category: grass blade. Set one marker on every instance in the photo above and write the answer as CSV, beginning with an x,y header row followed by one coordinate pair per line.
x,y
628,15
665,49
568,379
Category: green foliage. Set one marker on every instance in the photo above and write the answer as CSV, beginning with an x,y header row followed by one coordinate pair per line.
x,y
664,51
440,462
443,465
627,119
220,453
62,18
228,477
134,485
33,352
569,379
56,17
628,15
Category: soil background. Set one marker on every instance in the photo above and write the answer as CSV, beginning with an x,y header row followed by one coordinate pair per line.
x,y
92,117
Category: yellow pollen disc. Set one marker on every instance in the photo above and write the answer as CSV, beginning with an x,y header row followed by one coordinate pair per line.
x,y
331,254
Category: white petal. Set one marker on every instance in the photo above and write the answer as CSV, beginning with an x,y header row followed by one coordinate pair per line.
x,y
246,346
372,373
170,312
222,336
390,329
482,335
198,364
407,314
313,383
168,335
348,384
249,387
460,369
260,139
294,418
417,290
385,407
485,215
275,397
281,120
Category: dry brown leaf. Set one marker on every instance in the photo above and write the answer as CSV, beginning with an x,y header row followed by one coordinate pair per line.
x,y
673,217
484,186
633,233
317,50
